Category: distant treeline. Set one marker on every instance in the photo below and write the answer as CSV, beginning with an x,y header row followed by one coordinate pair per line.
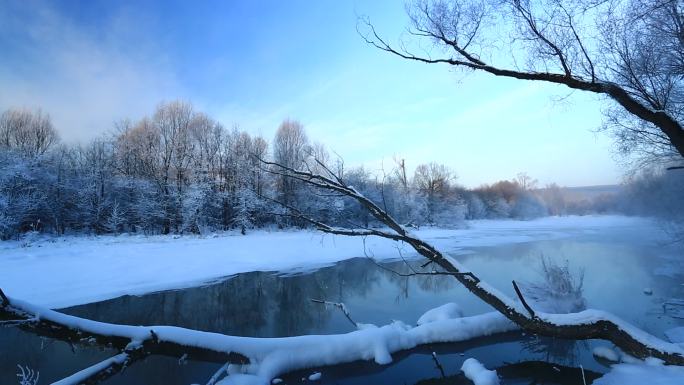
x,y
180,171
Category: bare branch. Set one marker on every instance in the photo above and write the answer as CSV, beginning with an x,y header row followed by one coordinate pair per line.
x,y
642,83
522,300
105,369
340,306
602,325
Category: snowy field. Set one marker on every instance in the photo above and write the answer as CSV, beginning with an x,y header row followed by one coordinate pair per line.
x,y
68,271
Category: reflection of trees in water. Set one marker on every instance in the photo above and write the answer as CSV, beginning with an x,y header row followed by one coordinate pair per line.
x,y
235,306
294,311
250,304
566,352
428,283
352,278
296,314
436,284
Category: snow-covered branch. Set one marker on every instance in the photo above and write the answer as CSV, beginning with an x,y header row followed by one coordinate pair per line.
x,y
105,369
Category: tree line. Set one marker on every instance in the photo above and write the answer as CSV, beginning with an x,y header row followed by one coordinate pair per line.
x,y
180,171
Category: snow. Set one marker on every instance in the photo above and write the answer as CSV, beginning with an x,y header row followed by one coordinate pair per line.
x,y
446,311
84,374
592,316
651,372
606,353
68,271
270,357
315,376
478,374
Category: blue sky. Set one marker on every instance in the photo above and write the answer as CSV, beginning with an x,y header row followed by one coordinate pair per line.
x,y
255,63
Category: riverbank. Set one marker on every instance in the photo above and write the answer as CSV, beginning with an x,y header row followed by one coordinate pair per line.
x,y
66,271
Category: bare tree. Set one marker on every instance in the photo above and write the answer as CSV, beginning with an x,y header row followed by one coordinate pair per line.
x,y
400,173
289,150
173,121
630,51
525,181
554,198
95,163
29,132
433,182
260,151
209,137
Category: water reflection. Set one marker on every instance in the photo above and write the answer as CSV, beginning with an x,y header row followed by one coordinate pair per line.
x,y
565,352
264,304
525,373
259,304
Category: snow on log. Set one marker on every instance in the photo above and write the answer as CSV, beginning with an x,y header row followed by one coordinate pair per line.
x,y
478,374
606,353
447,311
267,357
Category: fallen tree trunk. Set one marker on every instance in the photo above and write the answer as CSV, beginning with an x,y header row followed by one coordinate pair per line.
x,y
267,357
133,342
143,341
589,324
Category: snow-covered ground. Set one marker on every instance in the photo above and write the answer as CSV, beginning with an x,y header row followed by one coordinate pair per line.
x,y
67,271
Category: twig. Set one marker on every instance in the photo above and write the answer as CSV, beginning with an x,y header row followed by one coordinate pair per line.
x,y
155,338
27,376
217,375
105,369
16,322
418,273
340,306
439,366
522,299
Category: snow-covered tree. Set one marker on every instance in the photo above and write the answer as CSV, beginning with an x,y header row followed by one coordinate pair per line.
x,y
116,218
528,206
289,149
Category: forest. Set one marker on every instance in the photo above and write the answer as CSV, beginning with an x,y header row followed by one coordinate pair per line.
x,y
180,171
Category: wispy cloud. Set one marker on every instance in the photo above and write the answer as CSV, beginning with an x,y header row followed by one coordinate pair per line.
x,y
85,79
